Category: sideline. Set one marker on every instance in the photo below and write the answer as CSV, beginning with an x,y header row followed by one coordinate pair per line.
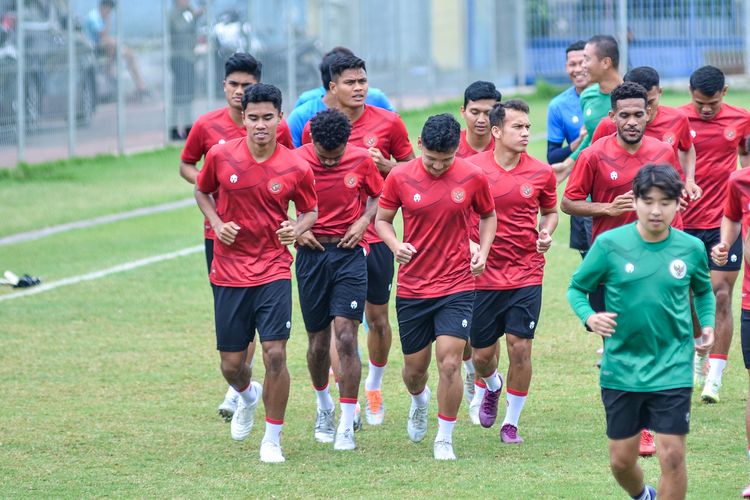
x,y
96,221
45,287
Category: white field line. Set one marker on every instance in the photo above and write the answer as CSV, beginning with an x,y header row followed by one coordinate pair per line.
x,y
127,266
96,221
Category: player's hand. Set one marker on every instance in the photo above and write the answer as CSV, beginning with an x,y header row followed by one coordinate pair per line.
x,y
404,253
473,247
581,136
478,264
227,232
307,239
705,342
543,241
286,233
621,204
602,323
383,164
720,254
683,201
694,191
354,234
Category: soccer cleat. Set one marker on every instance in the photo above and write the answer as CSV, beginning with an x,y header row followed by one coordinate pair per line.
x,y
324,430
374,408
710,392
271,453
647,446
244,416
746,492
509,434
488,408
229,405
416,424
474,411
651,492
357,418
469,387
443,450
344,440
700,369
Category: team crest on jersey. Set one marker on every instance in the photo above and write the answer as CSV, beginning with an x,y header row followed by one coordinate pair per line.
x,y
526,191
458,195
678,268
233,178
417,197
730,133
370,140
668,138
613,175
351,181
275,186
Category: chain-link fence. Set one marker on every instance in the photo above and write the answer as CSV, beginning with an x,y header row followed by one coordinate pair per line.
x,y
98,76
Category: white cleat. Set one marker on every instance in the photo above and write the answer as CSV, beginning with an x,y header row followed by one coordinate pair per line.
x,y
357,417
443,450
229,405
324,430
416,425
244,417
469,387
271,453
344,440
474,411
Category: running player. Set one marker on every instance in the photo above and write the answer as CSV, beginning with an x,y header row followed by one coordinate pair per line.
x,y
384,135
332,267
509,292
217,127
719,132
648,271
435,295
256,179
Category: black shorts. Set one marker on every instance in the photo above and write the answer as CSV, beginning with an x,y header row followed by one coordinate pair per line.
x,y
421,321
209,245
711,238
664,412
238,311
497,312
331,283
745,336
379,274
580,233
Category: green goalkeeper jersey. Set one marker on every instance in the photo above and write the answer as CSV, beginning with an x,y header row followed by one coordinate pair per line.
x,y
647,285
595,106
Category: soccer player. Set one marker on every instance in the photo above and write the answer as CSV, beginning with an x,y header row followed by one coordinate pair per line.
x,y
256,179
665,123
736,220
509,292
332,266
435,295
315,100
384,135
719,132
564,113
648,270
217,127
479,97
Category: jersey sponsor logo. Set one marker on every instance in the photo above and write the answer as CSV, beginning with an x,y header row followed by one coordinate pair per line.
x,y
275,186
353,305
730,133
350,180
629,267
417,197
526,191
464,323
574,119
613,175
678,268
668,138
233,178
458,195
370,140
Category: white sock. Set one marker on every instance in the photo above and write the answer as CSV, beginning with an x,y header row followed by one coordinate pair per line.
x,y
231,393
515,401
716,368
422,398
374,377
249,395
469,366
347,413
445,428
325,402
273,430
479,391
493,382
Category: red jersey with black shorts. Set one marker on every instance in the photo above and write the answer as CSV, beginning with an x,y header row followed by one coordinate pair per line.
x,y
605,170
217,127
518,194
436,214
465,150
737,209
716,148
256,197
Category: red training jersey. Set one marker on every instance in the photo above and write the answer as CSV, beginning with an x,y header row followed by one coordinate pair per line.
x,y
465,150
737,208
605,170
217,127
716,148
342,190
436,221
378,128
519,194
256,197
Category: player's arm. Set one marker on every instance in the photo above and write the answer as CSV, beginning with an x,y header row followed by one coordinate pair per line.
x,y
188,171
744,155
402,251
585,280
583,208
225,231
306,201
563,169
356,231
386,165
704,302
729,232
547,225
687,162
487,232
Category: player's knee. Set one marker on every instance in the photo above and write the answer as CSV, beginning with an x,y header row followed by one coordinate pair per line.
x,y
318,348
483,357
723,299
620,463
519,354
413,373
274,358
449,366
230,368
378,323
672,458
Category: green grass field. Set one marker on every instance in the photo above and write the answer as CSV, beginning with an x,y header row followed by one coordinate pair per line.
x,y
109,388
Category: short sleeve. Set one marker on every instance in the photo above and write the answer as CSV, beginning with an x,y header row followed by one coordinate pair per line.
x,y
193,150
283,136
733,204
373,181
555,126
581,178
482,202
305,198
548,196
400,145
684,139
390,199
207,180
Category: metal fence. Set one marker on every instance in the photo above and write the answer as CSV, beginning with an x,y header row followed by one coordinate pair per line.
x,y
97,81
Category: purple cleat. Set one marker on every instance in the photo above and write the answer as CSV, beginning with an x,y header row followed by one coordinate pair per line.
x,y
509,434
488,408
